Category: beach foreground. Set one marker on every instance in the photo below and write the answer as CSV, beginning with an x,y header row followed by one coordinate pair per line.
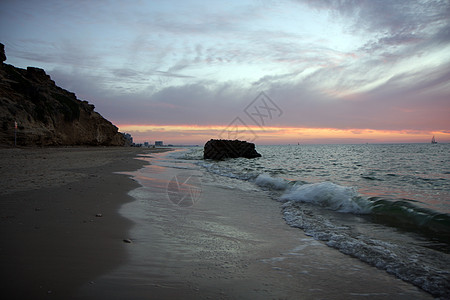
x,y
59,222
65,215
227,243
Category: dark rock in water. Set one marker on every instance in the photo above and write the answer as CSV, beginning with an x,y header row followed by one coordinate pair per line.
x,y
40,113
2,53
221,149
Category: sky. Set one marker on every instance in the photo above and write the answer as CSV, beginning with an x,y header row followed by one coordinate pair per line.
x,y
273,72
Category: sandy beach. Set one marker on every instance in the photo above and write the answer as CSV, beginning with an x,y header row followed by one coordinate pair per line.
x,y
59,222
65,214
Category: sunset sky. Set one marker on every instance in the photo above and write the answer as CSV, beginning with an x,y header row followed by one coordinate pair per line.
x,y
187,71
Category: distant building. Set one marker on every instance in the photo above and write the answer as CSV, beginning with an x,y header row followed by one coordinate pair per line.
x,y
128,139
159,143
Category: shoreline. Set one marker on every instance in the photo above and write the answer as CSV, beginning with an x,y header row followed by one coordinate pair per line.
x,y
231,244
59,214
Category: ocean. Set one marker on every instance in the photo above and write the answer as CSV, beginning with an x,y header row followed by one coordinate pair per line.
x,y
385,204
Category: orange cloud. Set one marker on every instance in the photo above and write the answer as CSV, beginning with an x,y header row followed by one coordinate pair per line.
x,y
194,134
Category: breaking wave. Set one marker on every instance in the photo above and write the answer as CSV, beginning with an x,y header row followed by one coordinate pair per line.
x,y
320,195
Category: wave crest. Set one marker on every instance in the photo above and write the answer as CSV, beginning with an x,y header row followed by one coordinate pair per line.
x,y
266,181
329,195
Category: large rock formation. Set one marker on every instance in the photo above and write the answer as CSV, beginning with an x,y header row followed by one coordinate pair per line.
x,y
221,149
46,114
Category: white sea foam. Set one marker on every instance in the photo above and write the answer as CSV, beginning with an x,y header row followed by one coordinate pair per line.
x,y
329,195
267,181
398,259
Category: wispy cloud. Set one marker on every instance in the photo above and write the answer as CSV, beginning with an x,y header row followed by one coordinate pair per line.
x,y
346,64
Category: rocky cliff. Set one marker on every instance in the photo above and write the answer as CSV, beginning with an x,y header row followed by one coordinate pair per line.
x,y
46,114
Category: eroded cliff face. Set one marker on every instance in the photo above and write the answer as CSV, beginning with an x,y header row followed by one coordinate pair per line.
x,y
46,114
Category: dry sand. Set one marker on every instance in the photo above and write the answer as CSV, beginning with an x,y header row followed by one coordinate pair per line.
x,y
59,223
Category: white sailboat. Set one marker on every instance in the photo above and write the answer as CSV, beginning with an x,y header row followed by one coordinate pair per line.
x,y
433,140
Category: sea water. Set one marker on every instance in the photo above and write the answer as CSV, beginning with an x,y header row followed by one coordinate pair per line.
x,y
386,204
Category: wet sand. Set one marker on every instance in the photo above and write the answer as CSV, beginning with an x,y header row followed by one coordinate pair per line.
x,y
60,226
231,244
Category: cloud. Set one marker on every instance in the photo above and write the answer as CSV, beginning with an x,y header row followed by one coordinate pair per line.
x,y
418,82
390,24
170,74
385,15
392,41
391,106
177,64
